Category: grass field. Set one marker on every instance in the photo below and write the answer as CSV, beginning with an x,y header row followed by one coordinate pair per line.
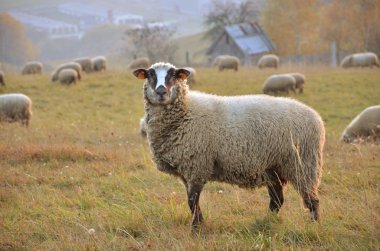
x,y
81,177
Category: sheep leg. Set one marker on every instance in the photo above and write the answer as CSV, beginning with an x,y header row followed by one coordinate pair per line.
x,y
193,193
275,189
312,203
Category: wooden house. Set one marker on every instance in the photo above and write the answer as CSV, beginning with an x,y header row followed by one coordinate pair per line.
x,y
247,41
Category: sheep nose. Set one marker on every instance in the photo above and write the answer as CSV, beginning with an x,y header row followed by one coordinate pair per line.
x,y
161,91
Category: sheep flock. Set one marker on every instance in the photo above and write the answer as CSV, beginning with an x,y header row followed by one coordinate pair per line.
x,y
251,141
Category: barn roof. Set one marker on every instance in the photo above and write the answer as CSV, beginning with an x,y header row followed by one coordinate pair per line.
x,y
248,37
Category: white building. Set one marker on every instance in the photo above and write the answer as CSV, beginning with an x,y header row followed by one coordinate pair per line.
x,y
55,29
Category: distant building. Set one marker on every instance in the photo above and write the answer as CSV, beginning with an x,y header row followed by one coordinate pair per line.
x,y
247,41
55,29
92,15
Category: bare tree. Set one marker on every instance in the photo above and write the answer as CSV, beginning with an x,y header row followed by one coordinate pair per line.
x,y
224,13
154,41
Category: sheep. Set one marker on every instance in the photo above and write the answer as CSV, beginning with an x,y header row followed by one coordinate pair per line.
x,y
367,123
68,76
300,80
2,81
99,63
279,83
191,79
226,62
33,67
71,65
143,126
268,61
367,59
249,141
15,107
139,63
86,64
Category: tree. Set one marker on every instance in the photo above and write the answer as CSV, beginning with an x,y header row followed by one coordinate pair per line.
x,y
228,13
293,26
352,25
154,41
15,46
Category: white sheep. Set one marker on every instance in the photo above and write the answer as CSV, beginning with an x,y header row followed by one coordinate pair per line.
x,y
367,123
33,67
2,80
268,61
99,63
300,80
68,76
139,63
249,141
86,64
367,59
226,62
15,107
71,65
279,83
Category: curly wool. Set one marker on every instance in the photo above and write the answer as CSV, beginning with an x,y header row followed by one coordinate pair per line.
x,y
71,65
99,63
68,76
268,61
85,63
366,123
15,107
33,67
367,59
226,62
279,83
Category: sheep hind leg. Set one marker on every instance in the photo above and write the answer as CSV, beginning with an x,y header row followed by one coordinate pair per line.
x,y
275,189
311,201
193,193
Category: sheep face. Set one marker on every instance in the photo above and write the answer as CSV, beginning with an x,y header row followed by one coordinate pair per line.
x,y
162,82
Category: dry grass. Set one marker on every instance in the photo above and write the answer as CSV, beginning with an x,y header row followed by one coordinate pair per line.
x,y
82,165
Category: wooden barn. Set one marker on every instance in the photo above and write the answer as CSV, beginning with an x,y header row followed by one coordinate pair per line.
x,y
247,41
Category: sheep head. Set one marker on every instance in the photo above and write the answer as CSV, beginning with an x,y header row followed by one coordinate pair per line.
x,y
162,82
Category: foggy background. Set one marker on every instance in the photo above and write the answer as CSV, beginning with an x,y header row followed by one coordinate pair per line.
x,y
55,31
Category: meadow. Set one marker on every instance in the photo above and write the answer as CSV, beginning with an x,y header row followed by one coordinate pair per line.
x,y
81,177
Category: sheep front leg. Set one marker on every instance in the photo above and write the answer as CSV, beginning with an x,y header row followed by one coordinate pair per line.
x,y
193,192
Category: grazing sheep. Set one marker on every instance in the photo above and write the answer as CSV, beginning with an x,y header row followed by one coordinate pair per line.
x,y
33,67
249,141
143,126
139,63
191,79
99,63
367,59
68,76
279,83
2,81
15,107
300,80
367,123
269,61
71,65
86,64
226,62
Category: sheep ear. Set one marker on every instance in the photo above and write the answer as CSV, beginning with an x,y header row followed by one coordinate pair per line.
x,y
140,74
182,74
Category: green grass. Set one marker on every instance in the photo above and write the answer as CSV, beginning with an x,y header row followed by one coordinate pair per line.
x,y
82,164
